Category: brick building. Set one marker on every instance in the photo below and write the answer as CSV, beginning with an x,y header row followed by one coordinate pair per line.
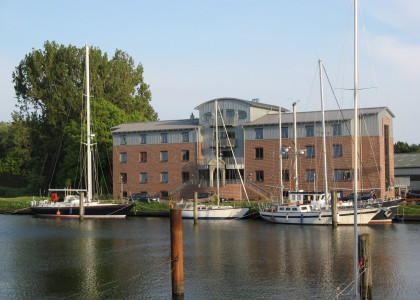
x,y
172,159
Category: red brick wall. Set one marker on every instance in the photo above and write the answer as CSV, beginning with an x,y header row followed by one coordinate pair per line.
x,y
153,167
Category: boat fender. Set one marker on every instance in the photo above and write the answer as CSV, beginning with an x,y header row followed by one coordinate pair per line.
x,y
287,217
319,216
58,212
338,218
301,218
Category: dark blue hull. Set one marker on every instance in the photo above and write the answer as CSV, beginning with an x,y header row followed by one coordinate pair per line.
x,y
97,211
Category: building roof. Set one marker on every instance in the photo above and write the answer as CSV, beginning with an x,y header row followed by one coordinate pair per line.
x,y
251,103
156,126
316,116
406,160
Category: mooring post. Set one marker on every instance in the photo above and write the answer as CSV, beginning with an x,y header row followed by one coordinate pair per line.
x,y
334,209
177,256
365,269
195,208
81,206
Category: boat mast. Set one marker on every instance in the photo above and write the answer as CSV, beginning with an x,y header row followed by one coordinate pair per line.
x,y
280,158
89,156
324,143
295,147
356,260
217,152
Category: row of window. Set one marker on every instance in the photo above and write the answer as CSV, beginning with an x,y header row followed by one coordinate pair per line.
x,y
339,175
309,131
185,138
163,177
310,152
185,156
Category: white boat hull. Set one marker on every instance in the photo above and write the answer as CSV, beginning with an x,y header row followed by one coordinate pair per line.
x,y
345,217
215,212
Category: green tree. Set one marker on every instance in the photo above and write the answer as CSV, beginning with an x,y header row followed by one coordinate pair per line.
x,y
403,147
49,85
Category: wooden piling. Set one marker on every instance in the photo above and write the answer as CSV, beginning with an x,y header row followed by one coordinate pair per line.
x,y
195,208
365,269
81,206
177,256
334,209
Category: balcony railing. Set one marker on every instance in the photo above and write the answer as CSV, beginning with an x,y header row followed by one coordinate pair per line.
x,y
228,122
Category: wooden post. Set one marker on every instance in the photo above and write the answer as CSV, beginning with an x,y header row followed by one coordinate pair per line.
x,y
177,256
334,209
365,269
195,208
81,206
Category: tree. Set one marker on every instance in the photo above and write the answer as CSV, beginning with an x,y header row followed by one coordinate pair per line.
x,y
403,147
49,85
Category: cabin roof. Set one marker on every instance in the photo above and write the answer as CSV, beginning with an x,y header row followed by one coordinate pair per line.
x,y
184,124
316,116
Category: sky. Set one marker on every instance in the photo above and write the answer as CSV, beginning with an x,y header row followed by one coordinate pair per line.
x,y
195,51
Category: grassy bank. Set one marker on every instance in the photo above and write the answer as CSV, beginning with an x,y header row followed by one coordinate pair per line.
x,y
409,210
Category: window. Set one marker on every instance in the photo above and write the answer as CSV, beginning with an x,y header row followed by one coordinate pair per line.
x,y
310,175
185,155
337,151
185,176
164,138
258,133
310,151
143,177
309,129
164,194
163,155
230,113
185,137
259,153
123,178
242,114
143,139
285,132
260,175
123,157
285,175
164,177
123,140
143,157
336,129
343,175
285,152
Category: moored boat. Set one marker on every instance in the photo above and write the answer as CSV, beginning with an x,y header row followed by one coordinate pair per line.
x,y
70,206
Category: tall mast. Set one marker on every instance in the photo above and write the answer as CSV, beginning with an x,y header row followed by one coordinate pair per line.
x,y
217,152
89,156
324,143
280,158
295,142
355,148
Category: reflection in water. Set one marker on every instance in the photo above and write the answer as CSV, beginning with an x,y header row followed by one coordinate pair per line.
x,y
123,259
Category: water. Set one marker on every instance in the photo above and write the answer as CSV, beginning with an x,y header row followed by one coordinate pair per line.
x,y
129,259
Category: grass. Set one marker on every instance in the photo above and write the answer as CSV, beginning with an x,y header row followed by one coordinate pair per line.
x,y
409,210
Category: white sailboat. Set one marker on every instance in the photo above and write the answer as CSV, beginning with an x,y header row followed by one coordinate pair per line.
x,y
312,208
70,206
217,211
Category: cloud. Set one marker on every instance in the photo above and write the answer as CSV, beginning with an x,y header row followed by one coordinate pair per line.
x,y
402,55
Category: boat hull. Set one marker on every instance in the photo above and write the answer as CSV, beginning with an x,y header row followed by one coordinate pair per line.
x,y
216,213
364,216
94,211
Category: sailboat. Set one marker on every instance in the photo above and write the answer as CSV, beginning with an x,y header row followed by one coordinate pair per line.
x,y
312,208
70,206
217,211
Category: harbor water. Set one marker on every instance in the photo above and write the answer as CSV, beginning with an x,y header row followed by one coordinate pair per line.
x,y
247,259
